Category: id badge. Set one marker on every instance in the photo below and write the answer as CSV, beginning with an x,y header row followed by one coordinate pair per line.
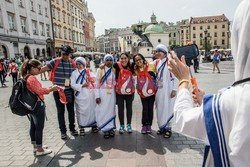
x,y
109,92
67,82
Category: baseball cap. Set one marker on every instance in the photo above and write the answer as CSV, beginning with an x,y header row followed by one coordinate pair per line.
x,y
66,49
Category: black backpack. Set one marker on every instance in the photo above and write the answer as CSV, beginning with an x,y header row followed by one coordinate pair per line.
x,y
22,101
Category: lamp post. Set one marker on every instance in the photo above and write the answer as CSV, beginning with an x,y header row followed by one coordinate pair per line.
x,y
206,50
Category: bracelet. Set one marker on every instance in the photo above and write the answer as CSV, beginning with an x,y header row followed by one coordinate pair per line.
x,y
182,81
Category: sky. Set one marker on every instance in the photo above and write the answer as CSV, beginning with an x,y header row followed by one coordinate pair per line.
x,y
123,13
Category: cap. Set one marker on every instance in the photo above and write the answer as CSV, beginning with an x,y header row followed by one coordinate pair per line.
x,y
66,49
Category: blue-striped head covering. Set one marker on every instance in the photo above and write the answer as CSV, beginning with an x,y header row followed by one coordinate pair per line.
x,y
108,56
161,48
81,60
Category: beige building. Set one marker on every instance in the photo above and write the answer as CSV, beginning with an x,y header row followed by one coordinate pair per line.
x,y
77,12
184,32
213,30
62,24
91,20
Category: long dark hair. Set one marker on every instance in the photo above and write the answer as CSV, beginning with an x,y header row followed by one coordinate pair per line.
x,y
126,54
27,64
134,65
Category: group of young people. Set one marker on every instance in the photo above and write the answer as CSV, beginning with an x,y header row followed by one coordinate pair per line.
x,y
93,97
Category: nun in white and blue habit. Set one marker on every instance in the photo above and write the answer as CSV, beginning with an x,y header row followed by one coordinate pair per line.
x,y
106,97
223,119
84,96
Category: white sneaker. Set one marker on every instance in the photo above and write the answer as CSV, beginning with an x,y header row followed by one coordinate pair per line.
x,y
45,152
44,147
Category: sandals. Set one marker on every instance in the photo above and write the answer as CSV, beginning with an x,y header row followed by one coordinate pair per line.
x,y
159,132
168,134
106,135
111,133
82,132
95,129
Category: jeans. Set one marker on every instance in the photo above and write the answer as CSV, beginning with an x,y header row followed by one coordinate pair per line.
x,y
60,113
37,124
14,78
147,110
2,77
120,102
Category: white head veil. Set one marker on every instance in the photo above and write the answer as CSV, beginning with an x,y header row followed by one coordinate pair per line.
x,y
241,40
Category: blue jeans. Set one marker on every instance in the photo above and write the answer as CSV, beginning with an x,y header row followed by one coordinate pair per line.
x,y
37,119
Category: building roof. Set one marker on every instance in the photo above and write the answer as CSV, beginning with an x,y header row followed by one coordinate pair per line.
x,y
153,28
208,19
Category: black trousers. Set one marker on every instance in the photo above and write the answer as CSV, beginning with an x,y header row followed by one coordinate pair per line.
x,y
61,112
120,102
196,65
37,124
2,77
147,110
14,77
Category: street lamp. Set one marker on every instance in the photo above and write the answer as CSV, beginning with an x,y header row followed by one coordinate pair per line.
x,y
206,49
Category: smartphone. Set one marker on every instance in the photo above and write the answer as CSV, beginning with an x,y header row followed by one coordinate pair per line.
x,y
189,51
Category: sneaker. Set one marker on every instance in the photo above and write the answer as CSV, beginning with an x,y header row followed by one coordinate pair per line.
x,y
45,152
129,128
149,130
144,130
122,129
44,147
82,132
74,133
64,136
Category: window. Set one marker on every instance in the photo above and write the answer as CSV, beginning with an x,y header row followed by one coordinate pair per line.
x,y
208,27
11,19
69,34
215,34
223,42
73,21
65,33
69,20
76,22
72,9
63,3
208,34
186,31
53,13
59,32
201,35
215,26
194,28
174,34
46,12
58,15
55,31
194,42
201,28
77,37
67,5
182,31
34,27
42,29
64,20
201,42
223,34
223,26
75,12
39,9
194,35
32,6
21,3
215,42
187,37
48,30
23,24
170,35
73,35
79,13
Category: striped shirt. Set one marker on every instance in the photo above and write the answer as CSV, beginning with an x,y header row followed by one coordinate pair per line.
x,y
63,71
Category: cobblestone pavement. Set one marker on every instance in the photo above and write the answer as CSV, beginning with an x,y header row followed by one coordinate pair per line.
x,y
92,150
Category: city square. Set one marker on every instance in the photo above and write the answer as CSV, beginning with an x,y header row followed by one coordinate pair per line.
x,y
124,83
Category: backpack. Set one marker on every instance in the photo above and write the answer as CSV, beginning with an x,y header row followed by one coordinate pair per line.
x,y
52,73
125,83
22,101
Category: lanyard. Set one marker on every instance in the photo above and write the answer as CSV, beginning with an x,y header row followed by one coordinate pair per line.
x,y
105,77
64,74
161,69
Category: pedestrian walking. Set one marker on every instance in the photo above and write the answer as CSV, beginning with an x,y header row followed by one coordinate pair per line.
x,y
124,91
222,120
13,71
146,88
43,75
106,97
29,70
166,93
61,70
2,72
82,83
216,61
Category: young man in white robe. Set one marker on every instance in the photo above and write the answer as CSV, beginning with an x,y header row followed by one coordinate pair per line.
x,y
165,96
81,82
106,98
223,120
